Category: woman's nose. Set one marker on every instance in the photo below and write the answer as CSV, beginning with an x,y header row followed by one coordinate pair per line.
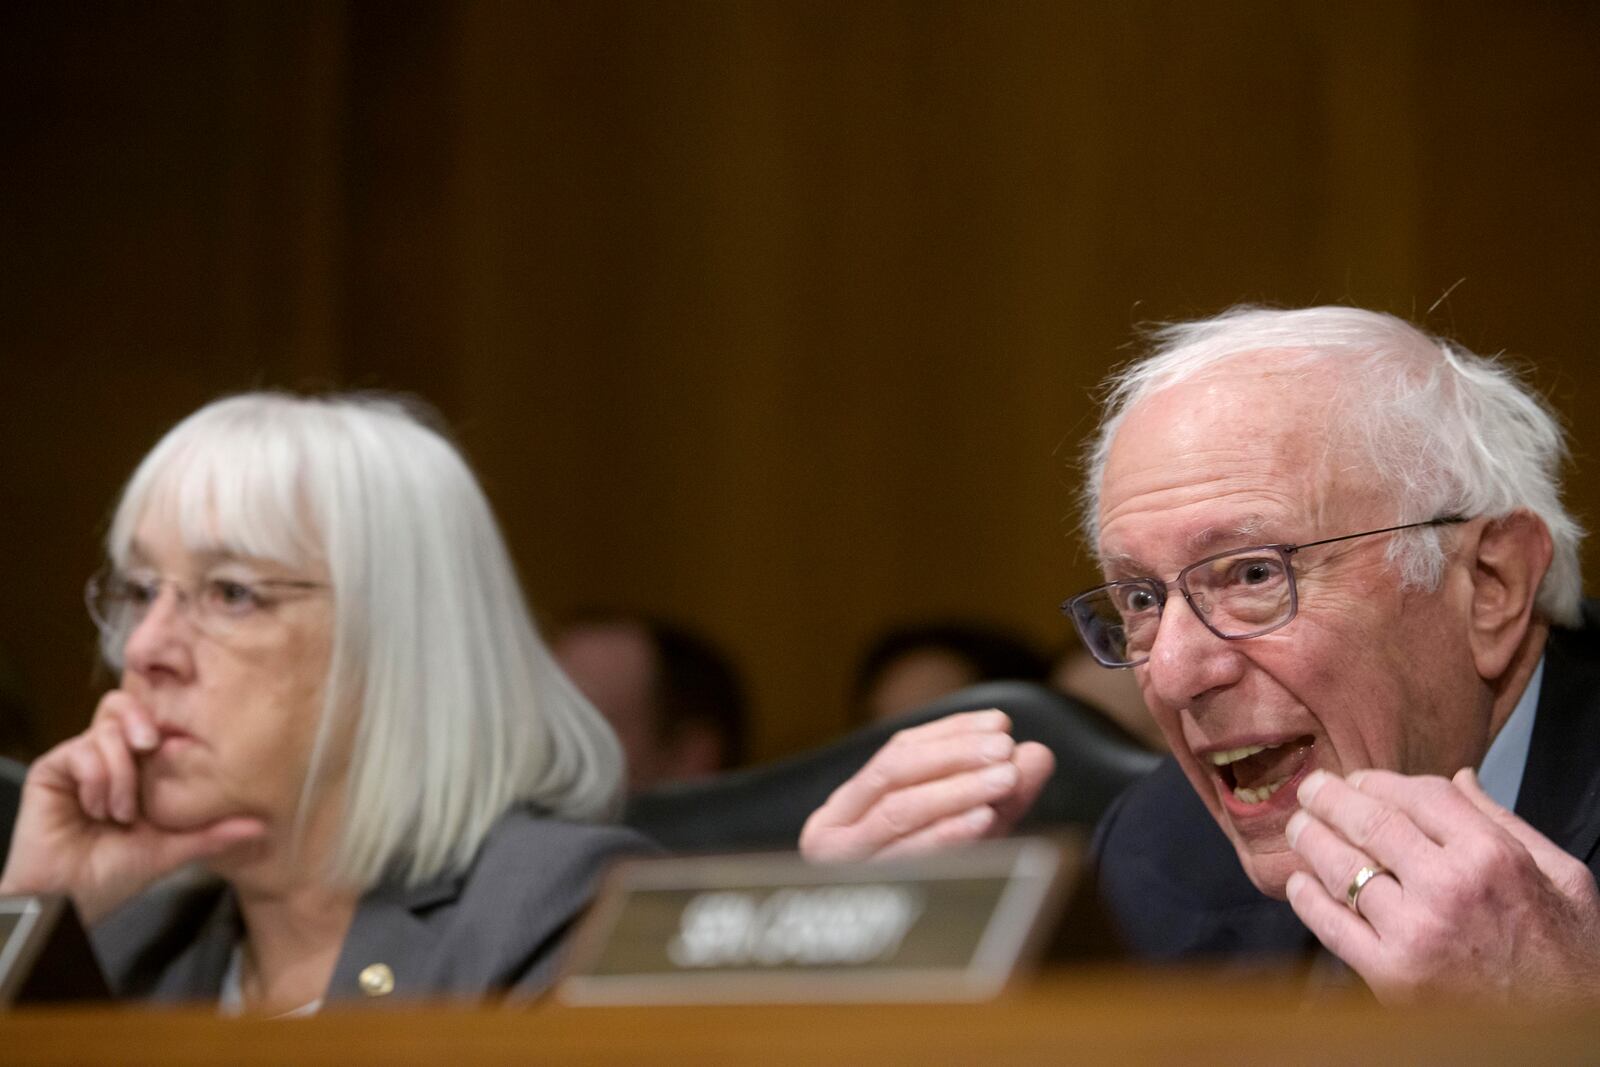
x,y
157,641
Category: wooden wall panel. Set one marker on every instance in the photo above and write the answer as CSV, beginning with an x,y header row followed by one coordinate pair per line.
x,y
782,319
168,236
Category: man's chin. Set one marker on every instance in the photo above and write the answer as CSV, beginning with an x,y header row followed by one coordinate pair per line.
x,y
1258,839
1269,871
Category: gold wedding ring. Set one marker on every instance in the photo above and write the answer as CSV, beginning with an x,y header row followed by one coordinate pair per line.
x,y
1352,896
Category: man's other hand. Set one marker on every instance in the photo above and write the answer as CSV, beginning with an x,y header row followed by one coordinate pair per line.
x,y
942,783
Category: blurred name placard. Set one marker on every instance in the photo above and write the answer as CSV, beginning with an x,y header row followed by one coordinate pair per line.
x,y
771,928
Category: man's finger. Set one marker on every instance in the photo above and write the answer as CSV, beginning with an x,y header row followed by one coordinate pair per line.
x,y
1553,861
961,722
1335,925
1433,804
1380,832
1035,764
908,812
959,829
923,753
1336,862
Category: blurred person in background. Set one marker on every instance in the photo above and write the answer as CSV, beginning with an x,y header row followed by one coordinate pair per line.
x,y
674,699
332,702
1114,694
909,667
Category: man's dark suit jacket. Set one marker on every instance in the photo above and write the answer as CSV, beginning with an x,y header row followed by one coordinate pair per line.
x,y
1172,882
496,929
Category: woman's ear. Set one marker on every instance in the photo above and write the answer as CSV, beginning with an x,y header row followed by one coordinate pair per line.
x,y
1510,558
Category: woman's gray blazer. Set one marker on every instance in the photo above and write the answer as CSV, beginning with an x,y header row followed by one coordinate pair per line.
x,y
497,929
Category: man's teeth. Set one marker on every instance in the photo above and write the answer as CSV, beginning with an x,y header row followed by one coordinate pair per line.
x,y
1260,795
1234,755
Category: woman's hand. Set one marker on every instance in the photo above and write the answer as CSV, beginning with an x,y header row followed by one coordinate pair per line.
x,y
80,830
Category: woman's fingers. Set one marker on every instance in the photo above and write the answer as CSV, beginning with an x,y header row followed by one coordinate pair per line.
x,y
122,779
90,779
130,718
107,774
79,829
99,769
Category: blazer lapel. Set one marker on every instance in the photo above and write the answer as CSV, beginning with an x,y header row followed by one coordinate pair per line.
x,y
391,948
1561,787
197,970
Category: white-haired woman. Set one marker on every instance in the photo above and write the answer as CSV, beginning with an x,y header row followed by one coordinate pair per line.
x,y
333,698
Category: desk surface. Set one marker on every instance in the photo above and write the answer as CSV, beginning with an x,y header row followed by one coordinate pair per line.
x,y
1096,1017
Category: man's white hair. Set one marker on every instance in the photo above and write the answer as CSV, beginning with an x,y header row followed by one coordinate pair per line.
x,y
1445,432
453,705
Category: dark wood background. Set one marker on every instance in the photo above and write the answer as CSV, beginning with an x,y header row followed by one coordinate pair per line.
x,y
780,318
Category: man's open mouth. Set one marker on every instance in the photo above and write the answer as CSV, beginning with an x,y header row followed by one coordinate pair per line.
x,y
1254,772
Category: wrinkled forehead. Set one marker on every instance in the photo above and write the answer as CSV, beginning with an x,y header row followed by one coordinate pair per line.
x,y
218,504
1250,451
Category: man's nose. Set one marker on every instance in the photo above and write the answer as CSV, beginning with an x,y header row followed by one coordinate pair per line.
x,y
1187,660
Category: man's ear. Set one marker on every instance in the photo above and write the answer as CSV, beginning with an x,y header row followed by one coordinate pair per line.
x,y
1510,558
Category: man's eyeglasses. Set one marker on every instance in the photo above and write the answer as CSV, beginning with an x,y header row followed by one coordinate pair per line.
x,y
1238,594
118,601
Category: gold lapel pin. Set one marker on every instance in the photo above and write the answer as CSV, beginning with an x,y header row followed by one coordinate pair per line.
x,y
376,980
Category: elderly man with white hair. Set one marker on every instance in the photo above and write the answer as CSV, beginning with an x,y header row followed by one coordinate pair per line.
x,y
1336,558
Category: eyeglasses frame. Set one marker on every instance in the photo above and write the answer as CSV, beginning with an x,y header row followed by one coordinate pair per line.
x,y
1286,551
185,591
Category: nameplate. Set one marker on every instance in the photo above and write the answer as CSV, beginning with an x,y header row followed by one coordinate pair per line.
x,y
44,953
774,928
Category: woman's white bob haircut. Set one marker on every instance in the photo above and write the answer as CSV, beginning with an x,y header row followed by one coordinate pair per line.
x,y
1443,431
453,707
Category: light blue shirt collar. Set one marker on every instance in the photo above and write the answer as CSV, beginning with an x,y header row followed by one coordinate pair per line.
x,y
1501,771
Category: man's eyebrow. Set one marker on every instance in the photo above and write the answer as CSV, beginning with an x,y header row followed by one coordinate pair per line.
x,y
1122,564
1245,532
